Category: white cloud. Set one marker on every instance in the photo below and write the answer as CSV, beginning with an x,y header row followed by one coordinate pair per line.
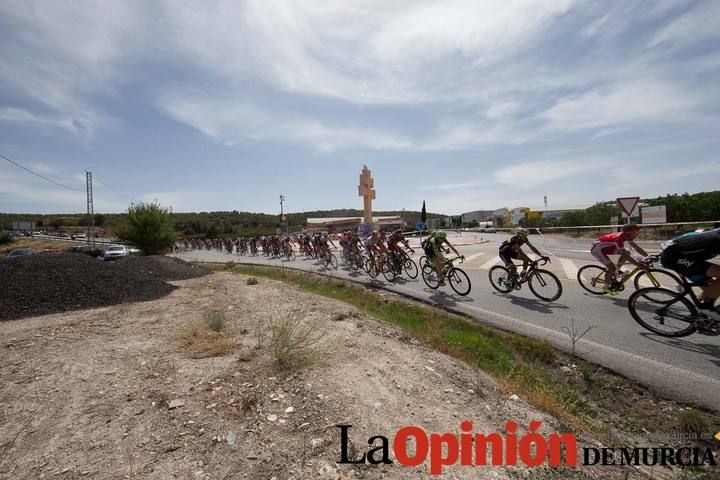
x,y
231,121
535,173
698,25
634,101
24,117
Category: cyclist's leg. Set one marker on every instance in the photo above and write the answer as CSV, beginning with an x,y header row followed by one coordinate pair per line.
x,y
439,262
526,261
507,255
607,263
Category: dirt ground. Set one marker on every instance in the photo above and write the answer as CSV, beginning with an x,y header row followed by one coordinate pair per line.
x,y
110,392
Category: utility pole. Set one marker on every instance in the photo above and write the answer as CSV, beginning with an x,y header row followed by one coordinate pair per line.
x,y
283,223
90,209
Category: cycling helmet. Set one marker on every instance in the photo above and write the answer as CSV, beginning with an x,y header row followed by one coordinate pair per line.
x,y
521,232
397,232
630,227
441,234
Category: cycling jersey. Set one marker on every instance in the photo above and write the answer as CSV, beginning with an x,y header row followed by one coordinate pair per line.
x,y
514,241
394,241
688,254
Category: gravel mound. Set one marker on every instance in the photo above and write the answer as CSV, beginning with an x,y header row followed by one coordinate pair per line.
x,y
42,284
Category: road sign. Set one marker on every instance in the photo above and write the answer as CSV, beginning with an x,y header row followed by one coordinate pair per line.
x,y
654,214
283,218
365,230
629,205
420,226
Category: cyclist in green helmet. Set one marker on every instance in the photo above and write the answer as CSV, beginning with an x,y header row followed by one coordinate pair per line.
x,y
436,242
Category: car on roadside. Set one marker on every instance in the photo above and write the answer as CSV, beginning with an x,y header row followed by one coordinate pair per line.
x,y
113,252
21,252
79,236
490,230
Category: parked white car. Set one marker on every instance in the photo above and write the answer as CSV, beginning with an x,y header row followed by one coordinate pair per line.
x,y
114,252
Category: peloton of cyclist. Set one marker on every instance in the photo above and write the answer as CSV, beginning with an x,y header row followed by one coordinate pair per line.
x,y
689,254
614,244
512,249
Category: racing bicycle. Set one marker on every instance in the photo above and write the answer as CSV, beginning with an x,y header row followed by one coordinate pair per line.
x,y
458,279
544,284
670,313
592,278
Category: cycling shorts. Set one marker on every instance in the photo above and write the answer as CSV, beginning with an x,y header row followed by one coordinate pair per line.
x,y
507,255
601,251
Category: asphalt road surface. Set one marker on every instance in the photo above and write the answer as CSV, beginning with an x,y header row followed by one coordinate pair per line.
x,y
687,368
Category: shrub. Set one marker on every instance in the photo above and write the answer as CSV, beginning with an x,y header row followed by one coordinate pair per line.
x,y
252,281
5,238
692,421
216,321
293,339
148,228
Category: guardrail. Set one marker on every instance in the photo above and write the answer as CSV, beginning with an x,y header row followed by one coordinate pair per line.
x,y
648,231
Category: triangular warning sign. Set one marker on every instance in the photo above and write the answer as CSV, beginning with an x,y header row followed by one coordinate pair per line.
x,y
628,205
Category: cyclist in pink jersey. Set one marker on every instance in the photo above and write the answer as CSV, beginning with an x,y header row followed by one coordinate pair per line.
x,y
614,244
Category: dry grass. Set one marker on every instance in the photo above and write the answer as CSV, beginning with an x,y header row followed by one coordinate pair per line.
x,y
24,242
293,339
207,337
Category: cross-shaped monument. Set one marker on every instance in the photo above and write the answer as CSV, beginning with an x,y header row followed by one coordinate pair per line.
x,y
366,190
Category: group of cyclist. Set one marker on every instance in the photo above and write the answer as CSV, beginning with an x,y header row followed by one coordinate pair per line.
x,y
687,254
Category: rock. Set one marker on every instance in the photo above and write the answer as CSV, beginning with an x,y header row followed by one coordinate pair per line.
x,y
429,368
139,411
231,438
316,443
177,403
565,369
211,406
328,472
272,418
289,410
514,398
304,425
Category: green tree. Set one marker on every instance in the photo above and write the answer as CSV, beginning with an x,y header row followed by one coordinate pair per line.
x,y
148,228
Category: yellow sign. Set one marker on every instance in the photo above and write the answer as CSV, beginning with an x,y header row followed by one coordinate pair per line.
x,y
717,436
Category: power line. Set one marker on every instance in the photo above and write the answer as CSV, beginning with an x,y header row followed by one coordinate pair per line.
x,y
38,175
135,200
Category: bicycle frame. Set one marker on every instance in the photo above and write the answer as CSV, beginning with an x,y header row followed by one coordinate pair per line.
x,y
628,276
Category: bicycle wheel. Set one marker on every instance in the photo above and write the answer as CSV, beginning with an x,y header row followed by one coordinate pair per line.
x,y
291,256
430,276
656,277
324,260
500,278
663,312
410,268
545,285
592,278
388,271
459,281
332,260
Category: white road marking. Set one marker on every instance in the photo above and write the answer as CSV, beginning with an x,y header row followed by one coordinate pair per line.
x,y
490,263
473,257
569,267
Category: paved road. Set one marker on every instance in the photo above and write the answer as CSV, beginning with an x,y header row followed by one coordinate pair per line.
x,y
687,369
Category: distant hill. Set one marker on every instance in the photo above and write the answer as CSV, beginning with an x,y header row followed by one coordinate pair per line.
x,y
209,223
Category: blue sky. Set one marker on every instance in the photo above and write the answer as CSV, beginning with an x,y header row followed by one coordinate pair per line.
x,y
224,105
